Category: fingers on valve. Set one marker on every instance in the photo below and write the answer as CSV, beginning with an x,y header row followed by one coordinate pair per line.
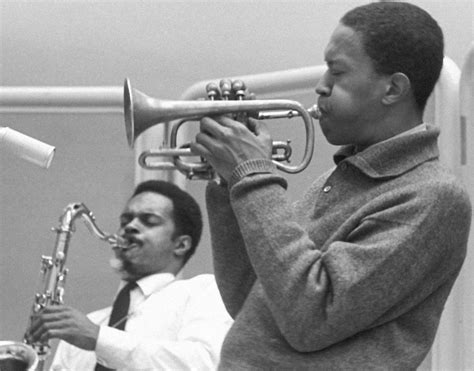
x,y
228,89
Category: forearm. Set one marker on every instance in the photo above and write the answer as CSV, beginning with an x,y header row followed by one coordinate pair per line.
x,y
287,262
234,273
122,350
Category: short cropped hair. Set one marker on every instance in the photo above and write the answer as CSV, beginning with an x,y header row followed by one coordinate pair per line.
x,y
401,37
187,214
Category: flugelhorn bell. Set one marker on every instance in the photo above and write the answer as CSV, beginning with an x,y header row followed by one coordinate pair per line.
x,y
141,112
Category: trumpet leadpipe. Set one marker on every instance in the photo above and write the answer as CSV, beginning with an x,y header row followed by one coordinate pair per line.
x,y
280,114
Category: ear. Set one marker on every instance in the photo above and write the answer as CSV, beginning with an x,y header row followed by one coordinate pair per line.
x,y
182,245
398,87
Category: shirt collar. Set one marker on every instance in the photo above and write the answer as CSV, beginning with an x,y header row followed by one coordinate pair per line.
x,y
153,282
395,155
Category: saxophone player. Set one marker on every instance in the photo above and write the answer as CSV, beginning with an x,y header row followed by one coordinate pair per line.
x,y
158,321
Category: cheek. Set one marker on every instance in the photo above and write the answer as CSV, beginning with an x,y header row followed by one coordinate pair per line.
x,y
350,105
342,123
353,91
337,132
345,101
150,260
160,247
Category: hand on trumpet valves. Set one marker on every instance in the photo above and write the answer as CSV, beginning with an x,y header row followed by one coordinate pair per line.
x,y
226,143
223,141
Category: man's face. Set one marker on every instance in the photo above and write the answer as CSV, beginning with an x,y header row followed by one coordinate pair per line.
x,y
350,92
147,224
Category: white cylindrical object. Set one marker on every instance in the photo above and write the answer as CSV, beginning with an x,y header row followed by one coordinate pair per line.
x,y
61,99
25,147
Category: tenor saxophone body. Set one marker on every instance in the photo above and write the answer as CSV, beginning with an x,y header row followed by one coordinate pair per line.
x,y
32,355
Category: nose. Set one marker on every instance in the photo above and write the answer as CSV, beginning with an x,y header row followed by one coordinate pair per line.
x,y
130,228
322,87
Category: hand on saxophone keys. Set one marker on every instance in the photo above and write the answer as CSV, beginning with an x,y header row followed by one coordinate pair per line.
x,y
62,322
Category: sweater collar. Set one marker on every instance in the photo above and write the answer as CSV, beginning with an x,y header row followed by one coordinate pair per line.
x,y
394,156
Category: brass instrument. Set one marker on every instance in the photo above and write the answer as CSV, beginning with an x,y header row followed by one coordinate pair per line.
x,y
141,112
33,355
17,356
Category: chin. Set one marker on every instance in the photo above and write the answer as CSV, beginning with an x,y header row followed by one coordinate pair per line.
x,y
335,141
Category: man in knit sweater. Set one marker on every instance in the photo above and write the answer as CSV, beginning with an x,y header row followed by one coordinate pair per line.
x,y
356,273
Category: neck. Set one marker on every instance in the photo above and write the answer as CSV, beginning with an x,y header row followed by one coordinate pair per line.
x,y
395,121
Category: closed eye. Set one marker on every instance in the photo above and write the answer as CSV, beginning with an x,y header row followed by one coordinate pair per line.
x,y
335,72
147,219
150,219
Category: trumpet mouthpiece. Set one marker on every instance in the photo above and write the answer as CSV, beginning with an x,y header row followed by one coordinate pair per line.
x,y
314,112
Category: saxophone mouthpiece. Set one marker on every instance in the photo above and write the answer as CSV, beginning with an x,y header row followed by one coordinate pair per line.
x,y
118,242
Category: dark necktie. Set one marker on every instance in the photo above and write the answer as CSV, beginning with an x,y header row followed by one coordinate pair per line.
x,y
118,317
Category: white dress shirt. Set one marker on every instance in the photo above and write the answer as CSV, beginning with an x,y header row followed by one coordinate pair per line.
x,y
172,324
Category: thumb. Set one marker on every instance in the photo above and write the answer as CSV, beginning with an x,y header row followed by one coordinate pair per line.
x,y
258,127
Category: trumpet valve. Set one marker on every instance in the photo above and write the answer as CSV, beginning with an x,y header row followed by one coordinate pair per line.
x,y
226,88
238,86
212,91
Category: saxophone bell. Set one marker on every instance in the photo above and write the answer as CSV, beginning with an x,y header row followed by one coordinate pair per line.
x,y
17,356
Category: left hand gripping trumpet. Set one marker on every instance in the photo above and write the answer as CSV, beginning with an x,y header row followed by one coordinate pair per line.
x,y
141,112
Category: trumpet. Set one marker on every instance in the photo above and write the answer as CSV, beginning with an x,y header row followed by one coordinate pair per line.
x,y
141,112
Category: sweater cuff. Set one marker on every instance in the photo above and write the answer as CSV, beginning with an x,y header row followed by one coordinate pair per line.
x,y
249,167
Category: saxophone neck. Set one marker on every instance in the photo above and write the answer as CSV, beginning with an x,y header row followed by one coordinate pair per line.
x,y
76,210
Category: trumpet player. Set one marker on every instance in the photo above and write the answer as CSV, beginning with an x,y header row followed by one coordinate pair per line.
x,y
158,321
355,274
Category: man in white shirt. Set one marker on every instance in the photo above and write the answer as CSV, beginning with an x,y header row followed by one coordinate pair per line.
x,y
171,324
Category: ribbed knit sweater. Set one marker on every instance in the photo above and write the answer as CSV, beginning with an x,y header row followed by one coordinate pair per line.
x,y
353,276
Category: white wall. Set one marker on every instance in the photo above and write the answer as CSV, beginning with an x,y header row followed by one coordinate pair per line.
x,y
163,47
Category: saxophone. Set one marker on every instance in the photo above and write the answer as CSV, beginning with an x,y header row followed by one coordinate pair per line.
x,y
32,356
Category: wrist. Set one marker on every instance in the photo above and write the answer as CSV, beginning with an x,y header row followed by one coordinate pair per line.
x,y
249,167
